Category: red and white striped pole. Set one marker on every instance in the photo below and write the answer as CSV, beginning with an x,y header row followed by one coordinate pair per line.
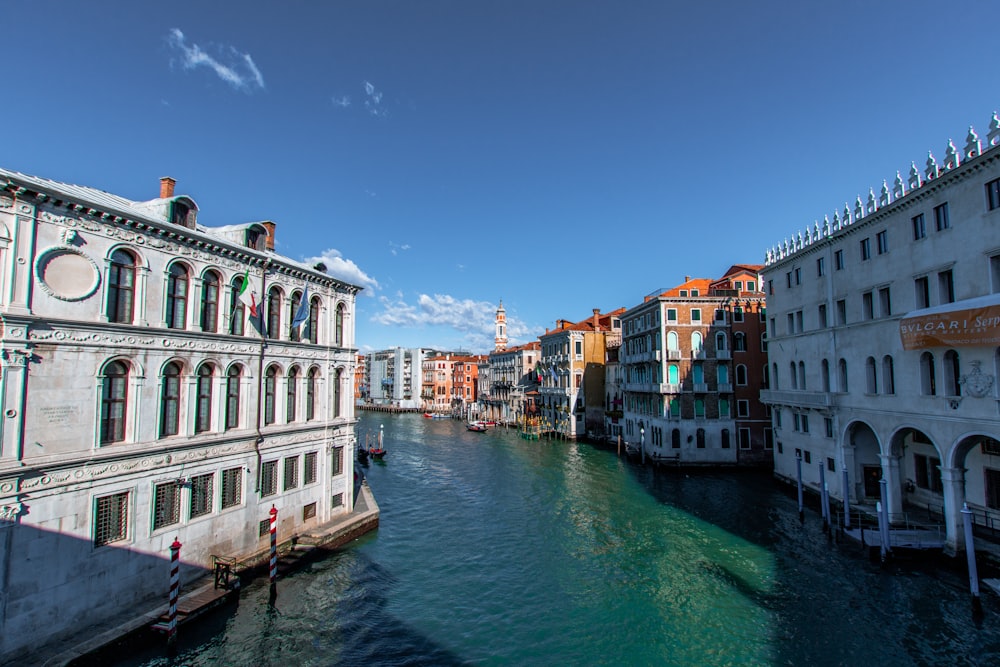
x,y
274,546
175,587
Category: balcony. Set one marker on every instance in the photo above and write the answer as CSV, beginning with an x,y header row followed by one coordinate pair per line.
x,y
723,355
805,399
698,355
670,388
701,387
725,387
674,355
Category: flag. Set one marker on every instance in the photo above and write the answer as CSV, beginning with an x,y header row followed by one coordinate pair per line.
x,y
247,295
552,372
302,313
258,323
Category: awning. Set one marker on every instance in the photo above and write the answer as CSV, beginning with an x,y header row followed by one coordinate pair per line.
x,y
967,323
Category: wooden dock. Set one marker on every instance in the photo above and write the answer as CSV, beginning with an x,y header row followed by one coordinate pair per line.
x,y
194,604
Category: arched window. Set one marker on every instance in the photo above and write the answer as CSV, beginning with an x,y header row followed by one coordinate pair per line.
x,y
952,374
274,313
802,375
170,400
825,371
339,326
871,380
672,343
312,330
741,374
765,383
696,342
697,374
210,301
121,287
203,406
233,378
928,383
293,331
722,373
237,308
842,368
673,374
699,408
775,376
700,438
725,438
270,393
740,341
675,438
720,341
888,376
311,393
114,402
338,378
178,283
793,372
291,393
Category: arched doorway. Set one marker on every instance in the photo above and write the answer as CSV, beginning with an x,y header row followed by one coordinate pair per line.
x,y
867,467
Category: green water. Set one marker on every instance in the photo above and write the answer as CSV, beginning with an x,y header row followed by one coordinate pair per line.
x,y
493,550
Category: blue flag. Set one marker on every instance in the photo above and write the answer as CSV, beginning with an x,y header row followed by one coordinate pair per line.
x,y
302,313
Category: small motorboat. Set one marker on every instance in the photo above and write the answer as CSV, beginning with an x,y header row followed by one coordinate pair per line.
x,y
478,427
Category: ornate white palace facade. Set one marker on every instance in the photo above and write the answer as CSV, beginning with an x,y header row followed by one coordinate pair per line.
x,y
884,343
140,404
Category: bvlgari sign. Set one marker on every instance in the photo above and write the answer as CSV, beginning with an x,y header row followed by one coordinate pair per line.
x,y
973,322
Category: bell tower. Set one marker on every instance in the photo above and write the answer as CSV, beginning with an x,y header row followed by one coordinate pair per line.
x,y
500,341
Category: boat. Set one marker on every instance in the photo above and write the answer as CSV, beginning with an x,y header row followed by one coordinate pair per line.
x,y
478,427
434,415
378,451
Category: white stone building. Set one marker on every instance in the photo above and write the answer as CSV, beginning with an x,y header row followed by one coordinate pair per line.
x,y
885,344
393,377
140,406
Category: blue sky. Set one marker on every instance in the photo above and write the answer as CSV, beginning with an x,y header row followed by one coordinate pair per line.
x,y
558,155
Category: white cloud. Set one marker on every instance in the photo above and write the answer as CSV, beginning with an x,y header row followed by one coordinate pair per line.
x,y
394,248
343,101
374,102
344,269
474,319
232,66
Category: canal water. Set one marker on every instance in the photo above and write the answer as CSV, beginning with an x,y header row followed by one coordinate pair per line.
x,y
494,550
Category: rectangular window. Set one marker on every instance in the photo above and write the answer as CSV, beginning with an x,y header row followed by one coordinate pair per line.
x,y
738,285
201,495
838,260
768,438
738,314
166,504
799,321
310,475
770,287
111,519
867,306
232,487
831,465
828,426
922,292
743,407
777,418
683,292
338,461
884,302
744,435
992,488
882,242
919,227
263,528
993,194
798,276
866,249
696,314
941,218
269,478
946,287
796,421
337,500
788,279
671,314
291,472
823,322
694,292
806,456
578,348
751,286
842,312
805,423
821,266
309,512
791,323
720,315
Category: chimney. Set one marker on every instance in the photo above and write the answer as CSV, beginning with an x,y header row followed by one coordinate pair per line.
x,y
597,319
687,279
269,241
167,187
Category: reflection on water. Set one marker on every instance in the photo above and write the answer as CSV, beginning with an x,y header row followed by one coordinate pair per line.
x,y
493,550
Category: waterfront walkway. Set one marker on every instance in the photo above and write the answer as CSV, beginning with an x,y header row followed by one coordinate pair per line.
x,y
201,596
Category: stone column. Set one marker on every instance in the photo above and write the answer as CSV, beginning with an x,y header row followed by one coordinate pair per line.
x,y
953,481
14,367
890,468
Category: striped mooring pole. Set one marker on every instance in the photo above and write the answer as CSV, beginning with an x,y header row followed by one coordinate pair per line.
x,y
274,546
175,587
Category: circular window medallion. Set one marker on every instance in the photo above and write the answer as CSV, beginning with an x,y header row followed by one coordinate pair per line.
x,y
68,274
